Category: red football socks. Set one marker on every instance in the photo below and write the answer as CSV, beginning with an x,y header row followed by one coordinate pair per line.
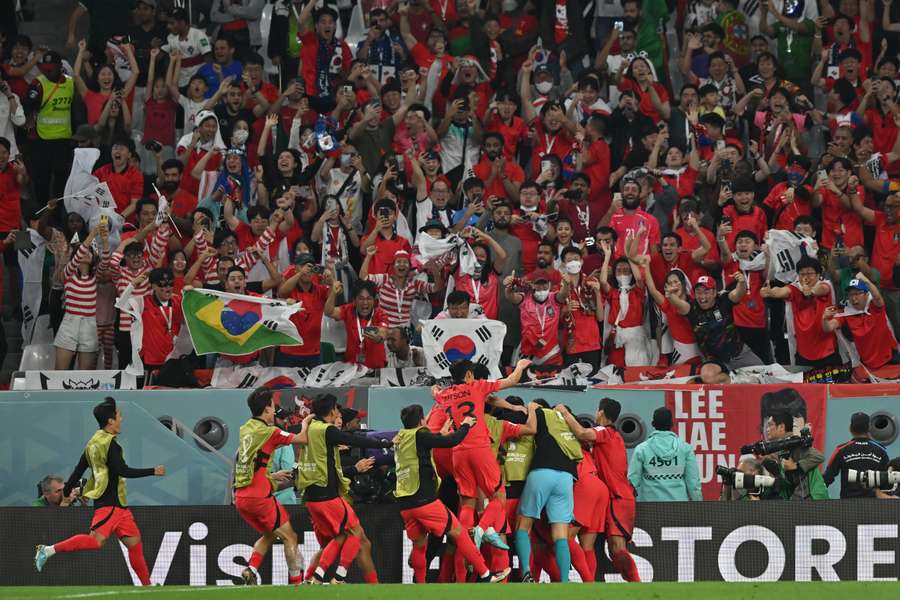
x,y
579,562
370,577
138,563
329,555
417,560
465,547
624,564
349,551
82,541
493,515
255,560
295,579
590,557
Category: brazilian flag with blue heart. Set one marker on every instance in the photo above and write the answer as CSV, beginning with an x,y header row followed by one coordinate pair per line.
x,y
224,323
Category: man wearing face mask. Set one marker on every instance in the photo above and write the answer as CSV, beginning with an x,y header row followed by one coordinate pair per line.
x,y
540,312
501,177
791,198
625,214
583,312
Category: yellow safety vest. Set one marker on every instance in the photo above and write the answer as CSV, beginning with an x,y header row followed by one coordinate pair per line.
x,y
96,452
54,118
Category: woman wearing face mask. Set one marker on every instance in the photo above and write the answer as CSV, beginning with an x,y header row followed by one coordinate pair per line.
x,y
583,312
626,341
540,313
235,179
678,345
241,139
483,285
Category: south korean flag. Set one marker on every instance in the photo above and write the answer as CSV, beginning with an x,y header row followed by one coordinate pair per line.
x,y
446,341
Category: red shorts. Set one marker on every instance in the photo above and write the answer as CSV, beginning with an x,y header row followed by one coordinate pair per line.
x,y
434,518
591,504
262,514
114,520
476,469
331,518
620,517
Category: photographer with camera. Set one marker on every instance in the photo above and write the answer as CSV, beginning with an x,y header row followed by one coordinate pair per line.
x,y
52,493
791,459
746,482
860,454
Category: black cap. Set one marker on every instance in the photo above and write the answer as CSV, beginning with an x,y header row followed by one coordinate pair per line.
x,y
433,224
161,276
51,57
348,414
859,422
305,258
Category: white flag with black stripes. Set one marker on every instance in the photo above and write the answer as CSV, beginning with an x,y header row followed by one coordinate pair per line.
x,y
446,341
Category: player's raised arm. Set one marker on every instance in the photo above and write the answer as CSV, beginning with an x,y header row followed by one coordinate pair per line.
x,y
515,376
583,434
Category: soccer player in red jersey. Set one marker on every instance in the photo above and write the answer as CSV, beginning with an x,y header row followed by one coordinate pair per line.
x,y
106,488
591,505
612,466
474,465
254,484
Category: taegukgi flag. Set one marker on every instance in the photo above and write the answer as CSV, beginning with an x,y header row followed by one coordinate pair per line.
x,y
446,341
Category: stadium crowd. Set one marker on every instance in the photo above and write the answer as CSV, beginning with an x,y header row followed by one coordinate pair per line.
x,y
617,186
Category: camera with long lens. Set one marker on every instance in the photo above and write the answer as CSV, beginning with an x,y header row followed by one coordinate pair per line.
x,y
873,479
741,481
762,447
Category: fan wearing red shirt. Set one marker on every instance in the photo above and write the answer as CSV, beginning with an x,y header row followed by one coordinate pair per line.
x,y
501,177
12,177
553,134
385,238
300,286
743,215
321,78
840,224
366,325
681,339
627,217
750,313
432,49
594,160
160,315
474,464
611,460
253,499
672,255
885,249
502,119
125,181
690,238
583,312
790,199
867,320
654,98
578,206
808,298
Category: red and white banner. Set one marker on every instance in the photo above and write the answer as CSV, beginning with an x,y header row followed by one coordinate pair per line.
x,y
717,420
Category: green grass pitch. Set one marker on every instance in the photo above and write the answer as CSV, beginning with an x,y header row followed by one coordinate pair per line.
x,y
644,591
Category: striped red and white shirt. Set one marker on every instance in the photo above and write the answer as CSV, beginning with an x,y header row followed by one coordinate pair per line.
x,y
397,302
245,260
80,290
122,275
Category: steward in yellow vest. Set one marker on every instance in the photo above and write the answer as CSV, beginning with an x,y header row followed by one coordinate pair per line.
x,y
106,487
417,486
324,488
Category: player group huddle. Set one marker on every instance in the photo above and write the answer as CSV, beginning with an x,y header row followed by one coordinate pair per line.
x,y
546,481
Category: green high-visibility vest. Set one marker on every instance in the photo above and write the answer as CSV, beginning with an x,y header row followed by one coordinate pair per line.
x,y
518,458
495,430
562,435
252,437
54,118
406,462
312,467
96,452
